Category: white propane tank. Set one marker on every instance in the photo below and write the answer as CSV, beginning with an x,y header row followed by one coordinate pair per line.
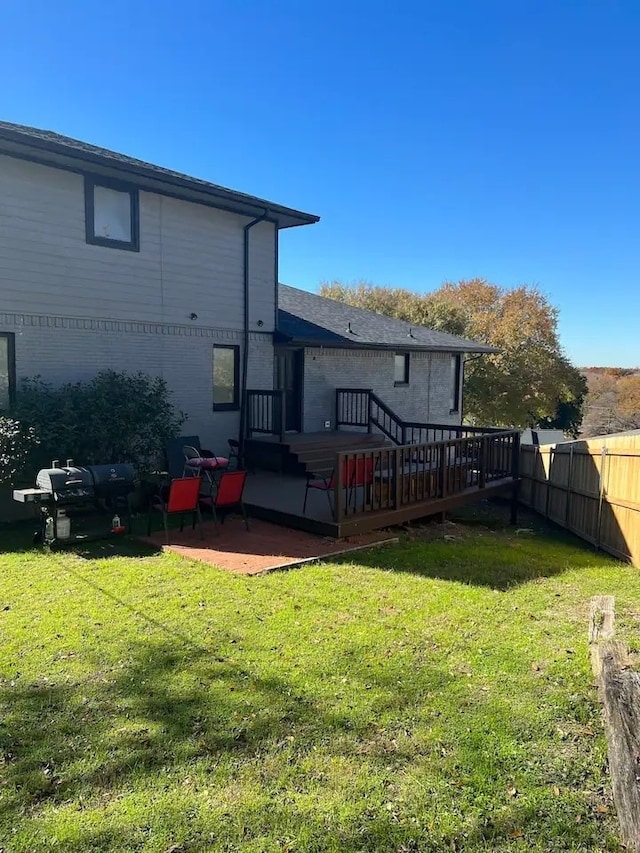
x,y
48,529
64,524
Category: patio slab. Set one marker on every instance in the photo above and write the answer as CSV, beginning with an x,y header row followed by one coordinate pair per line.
x,y
264,548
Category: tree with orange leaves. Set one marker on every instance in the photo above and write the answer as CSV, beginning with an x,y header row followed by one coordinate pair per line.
x,y
530,382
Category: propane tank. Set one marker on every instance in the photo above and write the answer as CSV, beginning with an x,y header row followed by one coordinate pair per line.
x,y
48,529
63,523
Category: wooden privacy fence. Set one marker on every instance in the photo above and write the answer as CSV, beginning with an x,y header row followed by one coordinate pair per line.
x,y
590,487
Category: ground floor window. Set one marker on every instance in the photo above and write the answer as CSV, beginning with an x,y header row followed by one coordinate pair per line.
x,y
401,368
7,369
226,376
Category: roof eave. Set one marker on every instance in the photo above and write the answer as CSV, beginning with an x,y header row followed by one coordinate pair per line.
x,y
285,217
345,343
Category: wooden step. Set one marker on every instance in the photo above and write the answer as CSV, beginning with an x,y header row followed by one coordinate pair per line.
x,y
320,458
334,443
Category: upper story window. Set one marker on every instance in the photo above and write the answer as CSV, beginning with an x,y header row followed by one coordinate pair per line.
x,y
7,369
111,212
456,377
401,368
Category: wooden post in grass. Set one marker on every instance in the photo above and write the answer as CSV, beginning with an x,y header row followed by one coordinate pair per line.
x,y
619,689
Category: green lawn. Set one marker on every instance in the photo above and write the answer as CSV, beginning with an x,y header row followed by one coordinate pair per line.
x,y
430,696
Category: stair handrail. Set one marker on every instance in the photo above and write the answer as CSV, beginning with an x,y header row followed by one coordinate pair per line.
x,y
361,413
363,408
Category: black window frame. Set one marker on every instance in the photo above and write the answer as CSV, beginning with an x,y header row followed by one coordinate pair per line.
x,y
10,338
407,361
235,405
90,183
456,390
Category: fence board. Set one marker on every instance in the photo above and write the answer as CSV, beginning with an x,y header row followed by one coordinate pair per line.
x,y
591,488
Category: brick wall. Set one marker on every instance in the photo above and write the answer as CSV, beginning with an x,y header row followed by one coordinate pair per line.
x,y
65,349
427,397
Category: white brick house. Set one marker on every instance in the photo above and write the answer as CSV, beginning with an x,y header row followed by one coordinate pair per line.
x,y
110,262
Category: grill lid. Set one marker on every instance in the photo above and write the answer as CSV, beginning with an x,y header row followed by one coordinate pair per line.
x,y
65,480
116,480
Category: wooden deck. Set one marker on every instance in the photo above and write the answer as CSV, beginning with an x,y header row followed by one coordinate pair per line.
x,y
279,498
382,470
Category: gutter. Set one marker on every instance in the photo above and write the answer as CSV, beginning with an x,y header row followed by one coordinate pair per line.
x,y
245,348
344,343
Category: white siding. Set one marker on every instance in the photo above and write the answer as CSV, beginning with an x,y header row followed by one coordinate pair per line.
x,y
77,308
190,258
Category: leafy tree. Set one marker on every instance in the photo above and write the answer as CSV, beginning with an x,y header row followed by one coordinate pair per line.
x,y
529,382
613,401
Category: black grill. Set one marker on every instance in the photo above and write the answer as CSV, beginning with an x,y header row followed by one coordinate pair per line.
x,y
62,487
68,485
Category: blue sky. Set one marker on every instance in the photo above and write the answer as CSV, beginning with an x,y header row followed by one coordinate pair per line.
x,y
437,140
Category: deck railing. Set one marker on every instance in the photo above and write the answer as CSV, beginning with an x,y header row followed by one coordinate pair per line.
x,y
266,413
361,407
406,476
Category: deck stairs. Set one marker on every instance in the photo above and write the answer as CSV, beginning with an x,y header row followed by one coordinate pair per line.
x,y
315,453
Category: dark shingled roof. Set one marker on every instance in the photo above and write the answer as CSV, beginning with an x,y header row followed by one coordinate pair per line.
x,y
17,138
306,318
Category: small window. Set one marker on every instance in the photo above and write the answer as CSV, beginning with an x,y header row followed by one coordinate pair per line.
x,y
7,369
401,369
456,371
111,212
226,374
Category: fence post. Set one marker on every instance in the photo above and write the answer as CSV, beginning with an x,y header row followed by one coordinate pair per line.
x,y
369,415
534,478
603,460
567,505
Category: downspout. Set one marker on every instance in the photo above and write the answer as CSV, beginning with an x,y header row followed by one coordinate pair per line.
x,y
245,348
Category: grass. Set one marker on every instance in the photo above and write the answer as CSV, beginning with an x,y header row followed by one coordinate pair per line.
x,y
434,695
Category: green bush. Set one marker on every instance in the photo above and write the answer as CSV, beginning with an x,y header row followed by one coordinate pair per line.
x,y
114,417
16,443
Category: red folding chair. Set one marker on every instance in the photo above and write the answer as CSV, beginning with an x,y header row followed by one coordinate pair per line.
x,y
228,496
355,472
182,497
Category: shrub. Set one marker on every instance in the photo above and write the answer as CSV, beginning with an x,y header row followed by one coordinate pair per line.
x,y
16,443
114,417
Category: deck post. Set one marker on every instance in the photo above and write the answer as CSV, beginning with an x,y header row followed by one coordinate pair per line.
x,y
338,487
443,469
399,475
515,473
282,405
482,464
369,415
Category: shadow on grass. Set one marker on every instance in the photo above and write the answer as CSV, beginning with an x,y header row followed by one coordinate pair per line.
x,y
166,711
19,538
481,549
